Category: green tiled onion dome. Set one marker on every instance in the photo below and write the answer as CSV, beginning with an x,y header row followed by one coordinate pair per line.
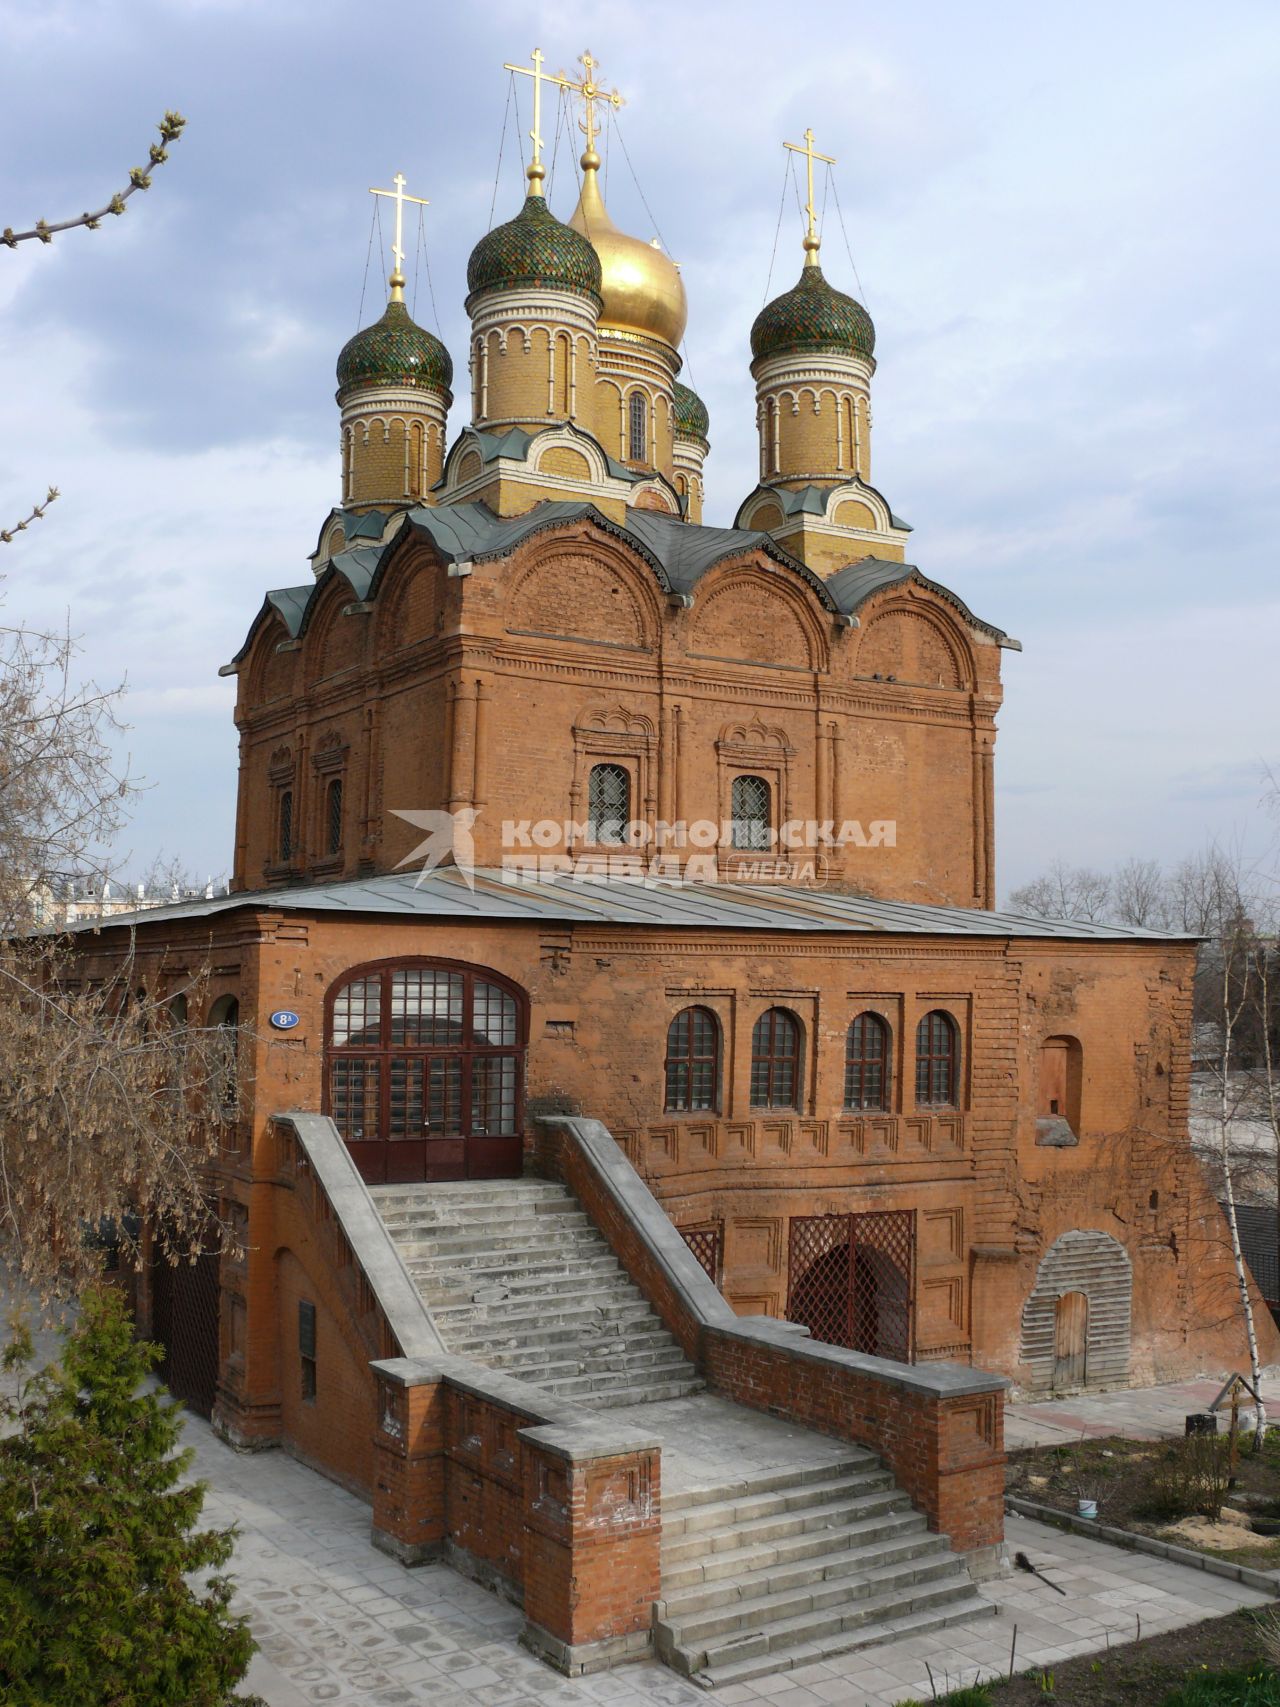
x,y
691,414
534,249
813,316
394,351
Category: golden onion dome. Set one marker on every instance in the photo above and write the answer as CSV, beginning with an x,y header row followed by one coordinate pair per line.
x,y
641,287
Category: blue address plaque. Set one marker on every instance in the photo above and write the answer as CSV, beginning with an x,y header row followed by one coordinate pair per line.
x,y
284,1019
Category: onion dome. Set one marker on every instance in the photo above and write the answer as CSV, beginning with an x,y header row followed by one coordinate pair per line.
x,y
813,316
641,287
691,414
534,250
394,351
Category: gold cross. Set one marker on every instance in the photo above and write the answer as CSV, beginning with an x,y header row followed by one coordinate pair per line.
x,y
397,248
812,241
591,92
535,172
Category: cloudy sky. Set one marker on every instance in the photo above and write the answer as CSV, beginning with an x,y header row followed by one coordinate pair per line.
x,y
1063,217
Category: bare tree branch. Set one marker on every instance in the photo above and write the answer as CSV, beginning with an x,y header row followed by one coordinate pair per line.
x,y
37,511
170,128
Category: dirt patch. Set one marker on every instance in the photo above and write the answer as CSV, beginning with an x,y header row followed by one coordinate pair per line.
x,y
1139,1674
1131,1481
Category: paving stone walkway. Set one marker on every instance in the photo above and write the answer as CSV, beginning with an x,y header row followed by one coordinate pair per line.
x,y
339,1622
1143,1413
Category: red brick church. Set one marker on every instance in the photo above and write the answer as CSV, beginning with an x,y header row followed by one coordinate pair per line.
x,y
702,1064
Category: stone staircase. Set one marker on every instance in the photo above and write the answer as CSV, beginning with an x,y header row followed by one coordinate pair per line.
x,y
798,1565
517,1277
775,1569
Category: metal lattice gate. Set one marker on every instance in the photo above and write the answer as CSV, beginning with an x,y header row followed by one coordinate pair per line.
x,y
852,1280
184,1320
706,1243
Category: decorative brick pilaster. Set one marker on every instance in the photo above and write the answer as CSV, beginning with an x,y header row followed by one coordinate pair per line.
x,y
593,1530
409,1467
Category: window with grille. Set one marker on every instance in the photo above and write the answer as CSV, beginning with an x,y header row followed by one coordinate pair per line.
x,y
333,816
749,810
937,1060
866,1064
424,1049
285,836
639,409
775,1060
608,804
307,1349
693,1061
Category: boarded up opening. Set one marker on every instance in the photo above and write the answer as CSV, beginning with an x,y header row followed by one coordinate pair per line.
x,y
1070,1341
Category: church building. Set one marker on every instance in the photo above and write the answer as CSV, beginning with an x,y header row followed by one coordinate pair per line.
x,y
622,1008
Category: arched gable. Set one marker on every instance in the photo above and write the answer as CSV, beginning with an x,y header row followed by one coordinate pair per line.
x,y
333,643
748,614
409,601
916,644
270,674
578,590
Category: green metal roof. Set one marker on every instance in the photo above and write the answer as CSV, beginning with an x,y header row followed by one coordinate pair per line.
x,y
394,351
692,419
500,897
534,250
678,553
812,315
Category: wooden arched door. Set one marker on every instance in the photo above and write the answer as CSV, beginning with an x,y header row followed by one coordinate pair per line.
x,y
424,1071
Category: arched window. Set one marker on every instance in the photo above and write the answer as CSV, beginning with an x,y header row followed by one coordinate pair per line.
x,y
775,1060
937,1060
637,426
749,811
284,830
333,816
866,1064
608,804
693,1061
425,1072
224,1018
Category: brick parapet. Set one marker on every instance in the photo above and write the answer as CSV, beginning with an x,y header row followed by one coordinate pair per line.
x,y
938,1426
549,1504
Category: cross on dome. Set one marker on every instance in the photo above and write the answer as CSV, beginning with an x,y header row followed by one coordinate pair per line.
x,y
398,196
812,242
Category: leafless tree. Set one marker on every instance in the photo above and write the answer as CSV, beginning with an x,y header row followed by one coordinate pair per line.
x,y
1064,892
170,128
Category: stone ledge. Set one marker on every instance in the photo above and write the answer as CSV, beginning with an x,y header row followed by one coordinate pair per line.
x,y
371,1245
1266,1582
575,1659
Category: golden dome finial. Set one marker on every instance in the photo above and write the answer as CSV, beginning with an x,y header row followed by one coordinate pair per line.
x,y
591,92
396,281
641,287
812,241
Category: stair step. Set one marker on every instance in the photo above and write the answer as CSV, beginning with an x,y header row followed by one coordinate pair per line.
x,y
500,1219
839,1599
612,1398
883,1528
432,1197
890,1625
922,1551
563,1363
790,1476
884,1500
502,1266
531,1301
511,1333
741,1505
451,1242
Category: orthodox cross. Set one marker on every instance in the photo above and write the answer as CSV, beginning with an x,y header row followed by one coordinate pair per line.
x,y
397,248
812,241
591,92
535,170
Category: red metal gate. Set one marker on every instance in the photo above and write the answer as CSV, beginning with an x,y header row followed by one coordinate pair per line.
x,y
852,1280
